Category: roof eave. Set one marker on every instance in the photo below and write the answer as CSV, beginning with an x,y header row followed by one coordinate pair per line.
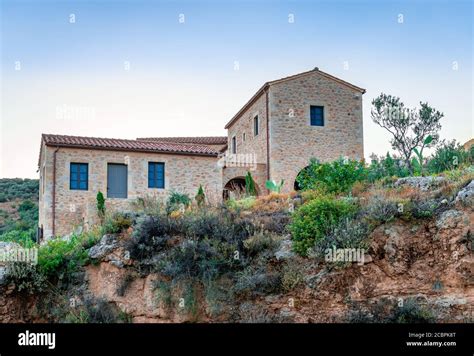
x,y
202,154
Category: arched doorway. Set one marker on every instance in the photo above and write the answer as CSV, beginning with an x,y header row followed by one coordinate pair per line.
x,y
235,188
296,185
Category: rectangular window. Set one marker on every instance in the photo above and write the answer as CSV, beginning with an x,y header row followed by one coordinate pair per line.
x,y
79,176
156,175
317,115
255,125
234,145
243,137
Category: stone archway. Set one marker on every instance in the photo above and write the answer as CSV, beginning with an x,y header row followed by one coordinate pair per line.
x,y
235,188
296,186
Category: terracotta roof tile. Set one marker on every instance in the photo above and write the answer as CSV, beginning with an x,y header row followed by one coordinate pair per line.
x,y
127,145
203,140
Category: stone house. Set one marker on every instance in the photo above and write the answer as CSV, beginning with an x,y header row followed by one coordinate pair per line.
x,y
274,135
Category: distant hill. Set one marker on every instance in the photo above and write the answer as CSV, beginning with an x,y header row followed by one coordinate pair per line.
x,y
17,188
18,208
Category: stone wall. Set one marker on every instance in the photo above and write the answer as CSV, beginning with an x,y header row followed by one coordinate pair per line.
x,y
76,208
252,144
293,141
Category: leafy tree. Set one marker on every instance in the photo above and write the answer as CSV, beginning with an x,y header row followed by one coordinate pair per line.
x,y
410,128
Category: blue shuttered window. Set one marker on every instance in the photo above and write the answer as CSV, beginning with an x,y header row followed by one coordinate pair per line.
x,y
79,176
156,175
317,115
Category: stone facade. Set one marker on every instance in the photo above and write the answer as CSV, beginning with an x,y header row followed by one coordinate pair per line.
x,y
74,208
278,152
293,141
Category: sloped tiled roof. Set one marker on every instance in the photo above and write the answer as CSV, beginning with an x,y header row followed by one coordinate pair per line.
x,y
203,140
128,145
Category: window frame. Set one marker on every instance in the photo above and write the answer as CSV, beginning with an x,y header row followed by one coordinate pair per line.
x,y
256,125
323,120
78,176
155,171
234,145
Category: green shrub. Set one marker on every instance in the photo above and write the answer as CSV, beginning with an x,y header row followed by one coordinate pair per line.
x,y
241,204
59,258
314,219
292,275
448,155
100,204
379,210
175,200
386,167
26,277
261,243
200,196
116,223
412,313
334,177
250,189
348,234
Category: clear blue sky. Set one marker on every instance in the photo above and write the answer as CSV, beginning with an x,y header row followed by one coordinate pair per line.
x,y
190,78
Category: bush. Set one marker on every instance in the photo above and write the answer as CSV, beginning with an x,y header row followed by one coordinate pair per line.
x,y
221,225
202,260
292,275
175,200
348,234
59,258
254,281
379,210
117,223
385,167
412,313
100,204
200,196
335,177
448,156
26,277
316,218
261,243
150,235
241,204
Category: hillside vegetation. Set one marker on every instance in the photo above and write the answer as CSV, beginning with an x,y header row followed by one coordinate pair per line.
x,y
18,209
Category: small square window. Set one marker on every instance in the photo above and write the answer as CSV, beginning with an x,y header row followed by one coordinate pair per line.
x,y
317,115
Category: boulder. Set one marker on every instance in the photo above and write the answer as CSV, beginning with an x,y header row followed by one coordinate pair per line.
x,y
449,219
422,183
285,252
466,195
106,245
